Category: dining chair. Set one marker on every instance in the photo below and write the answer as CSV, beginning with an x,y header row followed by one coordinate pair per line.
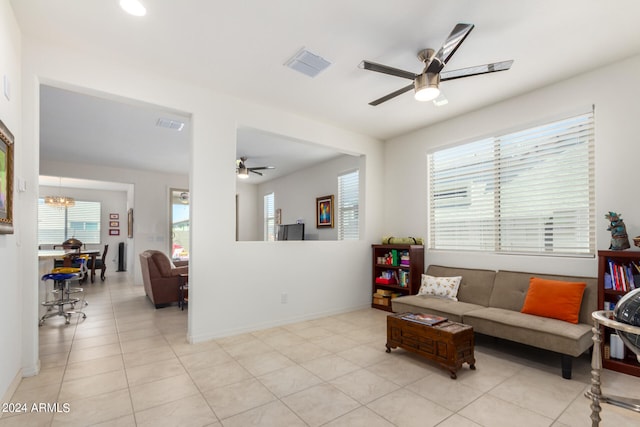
x,y
100,263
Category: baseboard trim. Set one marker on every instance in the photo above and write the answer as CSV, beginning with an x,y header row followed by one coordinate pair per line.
x,y
194,339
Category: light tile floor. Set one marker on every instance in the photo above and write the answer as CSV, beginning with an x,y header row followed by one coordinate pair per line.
x,y
129,364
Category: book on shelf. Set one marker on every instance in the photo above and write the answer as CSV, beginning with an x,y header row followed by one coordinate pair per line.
x,y
616,347
424,318
404,258
620,276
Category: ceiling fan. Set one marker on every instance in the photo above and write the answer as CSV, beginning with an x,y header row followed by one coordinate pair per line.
x,y
243,171
426,84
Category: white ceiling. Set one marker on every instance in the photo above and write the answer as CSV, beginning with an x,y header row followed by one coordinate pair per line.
x,y
240,47
95,130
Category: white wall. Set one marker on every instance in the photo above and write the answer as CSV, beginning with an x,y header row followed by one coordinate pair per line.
x,y
150,205
248,219
110,202
11,315
235,286
296,194
613,90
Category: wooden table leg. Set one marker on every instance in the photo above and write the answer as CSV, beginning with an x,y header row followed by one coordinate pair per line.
x,y
93,267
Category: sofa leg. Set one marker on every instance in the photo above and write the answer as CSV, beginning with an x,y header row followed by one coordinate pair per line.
x,y
566,366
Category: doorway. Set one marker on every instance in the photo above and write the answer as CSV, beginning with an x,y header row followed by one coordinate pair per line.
x,y
179,209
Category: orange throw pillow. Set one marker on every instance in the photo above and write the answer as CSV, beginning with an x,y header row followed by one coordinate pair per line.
x,y
554,298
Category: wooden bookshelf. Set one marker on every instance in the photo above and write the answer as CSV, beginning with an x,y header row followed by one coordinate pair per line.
x,y
629,365
406,277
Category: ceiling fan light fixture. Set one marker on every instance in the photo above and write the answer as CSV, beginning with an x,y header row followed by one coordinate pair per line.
x,y
426,86
243,172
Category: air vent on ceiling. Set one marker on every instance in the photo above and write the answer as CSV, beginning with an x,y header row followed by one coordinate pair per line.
x,y
170,124
307,63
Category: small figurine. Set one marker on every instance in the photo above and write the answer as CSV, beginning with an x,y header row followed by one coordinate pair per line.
x,y
619,238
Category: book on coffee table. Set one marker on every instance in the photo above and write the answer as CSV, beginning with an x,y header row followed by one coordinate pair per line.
x,y
427,319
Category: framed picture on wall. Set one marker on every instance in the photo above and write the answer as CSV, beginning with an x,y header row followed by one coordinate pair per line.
x,y
114,232
114,216
130,223
114,224
324,211
278,216
6,180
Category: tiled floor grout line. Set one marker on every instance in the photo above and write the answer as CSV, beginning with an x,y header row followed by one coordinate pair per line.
x,y
126,377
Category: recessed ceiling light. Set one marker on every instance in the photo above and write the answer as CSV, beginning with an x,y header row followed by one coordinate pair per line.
x,y
133,7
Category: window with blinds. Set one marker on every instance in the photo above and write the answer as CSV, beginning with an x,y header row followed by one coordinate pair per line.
x,y
82,221
529,192
348,205
269,218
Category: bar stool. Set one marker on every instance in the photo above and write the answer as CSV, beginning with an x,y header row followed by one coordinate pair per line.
x,y
62,290
82,272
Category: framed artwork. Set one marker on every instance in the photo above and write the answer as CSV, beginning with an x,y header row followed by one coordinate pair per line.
x,y
114,216
130,223
278,216
6,180
113,232
114,224
324,211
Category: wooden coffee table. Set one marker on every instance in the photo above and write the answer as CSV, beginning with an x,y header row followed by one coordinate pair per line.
x,y
448,343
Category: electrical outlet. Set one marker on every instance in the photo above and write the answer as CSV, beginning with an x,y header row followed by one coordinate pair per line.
x,y
284,298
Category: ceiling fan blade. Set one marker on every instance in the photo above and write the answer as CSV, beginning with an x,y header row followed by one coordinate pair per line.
x,y
261,168
392,95
372,66
252,171
474,71
453,42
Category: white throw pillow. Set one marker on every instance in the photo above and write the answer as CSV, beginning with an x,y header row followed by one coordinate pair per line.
x,y
446,287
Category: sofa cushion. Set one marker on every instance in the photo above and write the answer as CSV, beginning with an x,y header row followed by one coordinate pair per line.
x,y
446,287
476,285
542,332
510,290
452,310
554,298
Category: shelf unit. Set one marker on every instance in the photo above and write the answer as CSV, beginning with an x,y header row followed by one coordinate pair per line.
x,y
629,365
412,272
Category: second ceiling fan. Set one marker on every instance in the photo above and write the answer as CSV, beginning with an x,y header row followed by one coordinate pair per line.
x,y
426,84
243,171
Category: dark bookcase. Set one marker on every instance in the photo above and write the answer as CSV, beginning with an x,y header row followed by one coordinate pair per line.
x,y
404,279
622,261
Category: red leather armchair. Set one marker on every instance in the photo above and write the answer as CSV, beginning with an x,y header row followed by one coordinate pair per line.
x,y
161,277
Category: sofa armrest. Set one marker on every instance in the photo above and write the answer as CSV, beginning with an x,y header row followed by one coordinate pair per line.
x,y
180,270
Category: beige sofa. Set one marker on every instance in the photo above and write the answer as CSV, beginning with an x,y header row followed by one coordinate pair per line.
x,y
491,301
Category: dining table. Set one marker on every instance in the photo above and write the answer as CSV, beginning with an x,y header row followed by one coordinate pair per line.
x,y
68,256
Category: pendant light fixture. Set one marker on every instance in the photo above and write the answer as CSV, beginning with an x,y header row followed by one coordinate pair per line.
x,y
59,201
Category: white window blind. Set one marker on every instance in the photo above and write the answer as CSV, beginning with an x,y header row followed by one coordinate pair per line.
x,y
82,221
530,191
348,206
269,218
